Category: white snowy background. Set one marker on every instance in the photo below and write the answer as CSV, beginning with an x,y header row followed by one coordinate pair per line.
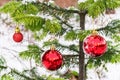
x,y
9,49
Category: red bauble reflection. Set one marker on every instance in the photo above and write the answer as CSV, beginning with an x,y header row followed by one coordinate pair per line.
x,y
18,37
52,60
94,45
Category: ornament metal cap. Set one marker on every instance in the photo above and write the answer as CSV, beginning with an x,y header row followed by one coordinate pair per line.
x,y
52,47
17,30
94,32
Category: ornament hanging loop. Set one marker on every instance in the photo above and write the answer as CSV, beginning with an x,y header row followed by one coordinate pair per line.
x,y
17,29
94,32
52,47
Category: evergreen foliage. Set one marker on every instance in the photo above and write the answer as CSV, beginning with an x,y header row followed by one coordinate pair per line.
x,y
10,7
53,78
28,14
6,77
33,52
95,8
111,28
2,63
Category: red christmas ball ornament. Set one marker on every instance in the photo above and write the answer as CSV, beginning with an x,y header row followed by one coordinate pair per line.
x,y
52,59
94,45
17,36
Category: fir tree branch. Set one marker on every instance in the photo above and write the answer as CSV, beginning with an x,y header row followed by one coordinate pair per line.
x,y
35,74
15,55
60,9
63,22
3,67
18,73
112,27
22,75
106,28
100,29
73,55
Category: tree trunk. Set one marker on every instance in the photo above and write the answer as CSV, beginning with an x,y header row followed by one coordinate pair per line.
x,y
81,53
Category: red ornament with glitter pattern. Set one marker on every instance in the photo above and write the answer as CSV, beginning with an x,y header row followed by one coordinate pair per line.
x,y
94,45
17,36
52,59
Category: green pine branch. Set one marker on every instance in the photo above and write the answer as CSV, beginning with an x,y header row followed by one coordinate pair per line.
x,y
60,46
33,52
10,7
9,75
2,63
34,23
55,8
112,55
95,8
111,28
6,77
21,75
15,75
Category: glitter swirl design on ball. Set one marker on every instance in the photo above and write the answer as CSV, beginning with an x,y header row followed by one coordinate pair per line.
x,y
94,45
52,60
